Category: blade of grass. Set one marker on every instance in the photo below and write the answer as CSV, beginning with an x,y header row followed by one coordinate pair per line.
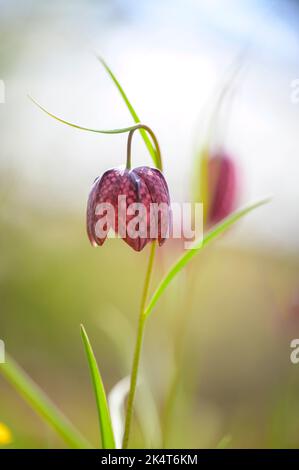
x,y
107,435
76,126
189,254
146,406
133,113
41,404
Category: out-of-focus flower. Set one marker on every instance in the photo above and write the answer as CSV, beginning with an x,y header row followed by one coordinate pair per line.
x,y
5,435
215,177
216,184
289,317
222,184
120,189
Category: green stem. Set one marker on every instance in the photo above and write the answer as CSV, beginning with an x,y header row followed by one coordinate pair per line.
x,y
179,345
138,347
154,138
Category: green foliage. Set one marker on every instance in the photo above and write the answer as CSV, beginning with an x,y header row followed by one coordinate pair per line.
x,y
189,254
101,400
133,113
42,405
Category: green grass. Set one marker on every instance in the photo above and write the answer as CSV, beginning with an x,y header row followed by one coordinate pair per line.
x,y
43,406
108,441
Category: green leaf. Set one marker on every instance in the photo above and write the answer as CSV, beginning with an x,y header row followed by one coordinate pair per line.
x,y
108,441
189,254
133,113
100,131
40,403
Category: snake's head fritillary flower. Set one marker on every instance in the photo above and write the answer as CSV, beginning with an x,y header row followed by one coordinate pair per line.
x,y
142,191
222,187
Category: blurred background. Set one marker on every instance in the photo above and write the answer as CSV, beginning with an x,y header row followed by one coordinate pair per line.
x,y
238,302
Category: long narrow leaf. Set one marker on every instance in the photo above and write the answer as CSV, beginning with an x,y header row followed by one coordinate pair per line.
x,y
40,403
189,254
108,441
77,126
133,113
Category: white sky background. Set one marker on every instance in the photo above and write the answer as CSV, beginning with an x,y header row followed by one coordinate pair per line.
x,y
169,57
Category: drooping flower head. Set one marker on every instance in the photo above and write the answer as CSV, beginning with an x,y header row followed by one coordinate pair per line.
x,y
222,187
135,203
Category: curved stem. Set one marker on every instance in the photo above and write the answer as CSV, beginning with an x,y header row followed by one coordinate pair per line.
x,y
155,141
138,347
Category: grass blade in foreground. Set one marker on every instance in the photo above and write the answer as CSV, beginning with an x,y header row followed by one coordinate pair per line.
x,y
188,255
40,403
133,114
108,441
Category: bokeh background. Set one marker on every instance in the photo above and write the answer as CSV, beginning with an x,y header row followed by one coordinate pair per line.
x,y
238,302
